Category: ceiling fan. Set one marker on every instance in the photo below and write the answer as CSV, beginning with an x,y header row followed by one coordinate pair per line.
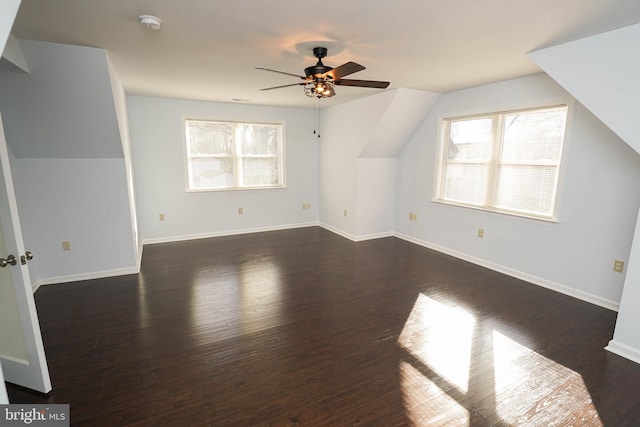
x,y
319,79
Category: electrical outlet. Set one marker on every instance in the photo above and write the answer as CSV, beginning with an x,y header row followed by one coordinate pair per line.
x,y
66,245
240,211
415,217
410,217
161,217
480,232
345,212
618,266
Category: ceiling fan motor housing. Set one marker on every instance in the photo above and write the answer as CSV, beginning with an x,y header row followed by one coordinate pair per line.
x,y
315,71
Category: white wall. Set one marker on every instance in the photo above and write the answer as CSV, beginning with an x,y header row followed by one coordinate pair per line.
x,y
69,167
376,184
598,204
160,177
626,340
345,131
83,201
360,141
602,72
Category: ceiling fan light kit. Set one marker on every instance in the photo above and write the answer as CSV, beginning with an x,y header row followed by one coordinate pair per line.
x,y
319,90
320,80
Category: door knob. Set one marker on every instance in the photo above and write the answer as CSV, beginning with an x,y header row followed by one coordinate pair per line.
x,y
28,256
11,259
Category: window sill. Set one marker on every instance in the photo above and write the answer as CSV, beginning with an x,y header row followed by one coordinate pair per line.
x,y
507,214
220,190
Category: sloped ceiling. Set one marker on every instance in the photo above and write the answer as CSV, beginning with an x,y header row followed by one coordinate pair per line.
x,y
64,107
602,73
12,57
404,112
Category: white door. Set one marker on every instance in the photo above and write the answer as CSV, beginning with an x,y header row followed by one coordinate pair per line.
x,y
21,351
4,399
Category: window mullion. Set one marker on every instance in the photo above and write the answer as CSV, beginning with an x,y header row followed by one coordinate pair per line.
x,y
444,159
237,154
494,161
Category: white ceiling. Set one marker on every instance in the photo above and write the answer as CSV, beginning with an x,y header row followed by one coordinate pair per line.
x,y
208,49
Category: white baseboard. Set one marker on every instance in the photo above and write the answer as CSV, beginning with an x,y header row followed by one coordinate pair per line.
x,y
356,238
584,296
624,350
363,237
182,238
121,272
338,232
83,276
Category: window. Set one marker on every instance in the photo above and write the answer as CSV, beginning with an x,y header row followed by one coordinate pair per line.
x,y
234,155
507,162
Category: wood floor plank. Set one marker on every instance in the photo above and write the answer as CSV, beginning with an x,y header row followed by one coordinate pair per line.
x,y
305,328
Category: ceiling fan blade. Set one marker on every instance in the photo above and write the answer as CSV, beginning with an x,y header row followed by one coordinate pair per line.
x,y
278,87
363,83
344,70
281,72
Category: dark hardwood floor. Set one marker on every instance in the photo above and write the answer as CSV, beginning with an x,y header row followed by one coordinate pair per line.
x,y
303,327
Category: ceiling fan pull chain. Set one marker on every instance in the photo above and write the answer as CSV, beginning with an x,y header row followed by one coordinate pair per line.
x,y
314,101
315,111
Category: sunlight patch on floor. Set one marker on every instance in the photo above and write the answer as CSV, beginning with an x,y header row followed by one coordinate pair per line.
x,y
523,376
454,367
440,337
425,402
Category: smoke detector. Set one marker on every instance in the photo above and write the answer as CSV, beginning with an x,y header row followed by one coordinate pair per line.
x,y
150,22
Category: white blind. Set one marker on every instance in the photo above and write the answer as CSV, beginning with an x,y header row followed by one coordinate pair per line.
x,y
507,162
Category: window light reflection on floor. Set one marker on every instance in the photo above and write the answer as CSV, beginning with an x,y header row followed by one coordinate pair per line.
x,y
441,338
425,403
245,300
523,376
450,369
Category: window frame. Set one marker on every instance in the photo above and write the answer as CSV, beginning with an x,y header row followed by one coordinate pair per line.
x,y
236,157
494,161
